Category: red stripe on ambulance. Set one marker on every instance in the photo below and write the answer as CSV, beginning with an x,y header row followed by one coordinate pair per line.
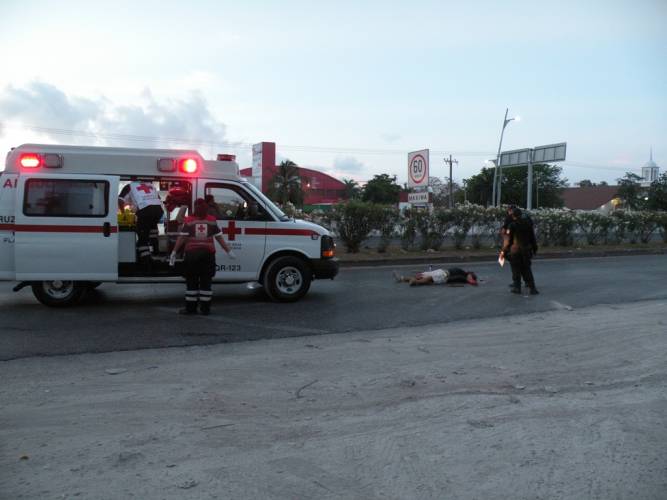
x,y
41,228
280,232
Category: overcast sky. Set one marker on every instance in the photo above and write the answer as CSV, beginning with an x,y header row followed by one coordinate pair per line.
x,y
345,87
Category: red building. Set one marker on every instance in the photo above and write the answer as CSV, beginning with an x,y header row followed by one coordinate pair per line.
x,y
318,188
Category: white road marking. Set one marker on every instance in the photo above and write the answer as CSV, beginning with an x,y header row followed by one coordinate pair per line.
x,y
560,305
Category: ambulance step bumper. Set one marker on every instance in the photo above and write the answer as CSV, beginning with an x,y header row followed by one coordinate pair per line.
x,y
324,269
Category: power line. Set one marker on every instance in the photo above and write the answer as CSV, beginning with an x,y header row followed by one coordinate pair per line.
x,y
228,144
239,145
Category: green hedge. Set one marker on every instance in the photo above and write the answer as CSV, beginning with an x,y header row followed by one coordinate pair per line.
x,y
356,221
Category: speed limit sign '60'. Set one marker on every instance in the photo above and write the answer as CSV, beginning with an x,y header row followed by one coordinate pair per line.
x,y
418,168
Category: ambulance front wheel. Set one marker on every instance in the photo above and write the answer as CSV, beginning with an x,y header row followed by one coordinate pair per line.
x,y
58,293
287,279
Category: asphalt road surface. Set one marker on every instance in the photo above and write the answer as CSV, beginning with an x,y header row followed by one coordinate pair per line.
x,y
128,317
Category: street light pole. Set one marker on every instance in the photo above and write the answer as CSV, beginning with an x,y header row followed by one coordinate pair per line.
x,y
497,177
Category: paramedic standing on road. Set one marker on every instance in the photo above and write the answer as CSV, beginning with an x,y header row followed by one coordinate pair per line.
x,y
197,236
146,203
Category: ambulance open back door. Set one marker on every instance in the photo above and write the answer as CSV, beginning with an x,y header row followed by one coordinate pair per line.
x,y
66,227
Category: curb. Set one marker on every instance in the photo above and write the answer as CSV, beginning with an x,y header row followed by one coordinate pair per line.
x,y
571,254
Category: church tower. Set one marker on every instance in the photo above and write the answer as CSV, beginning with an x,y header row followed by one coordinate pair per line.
x,y
650,171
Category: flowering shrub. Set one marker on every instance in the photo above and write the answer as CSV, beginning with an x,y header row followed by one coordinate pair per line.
x,y
635,225
661,222
463,218
355,221
595,226
554,226
408,230
385,218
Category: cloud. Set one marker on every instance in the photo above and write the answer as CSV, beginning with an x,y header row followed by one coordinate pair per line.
x,y
47,106
391,138
44,109
348,164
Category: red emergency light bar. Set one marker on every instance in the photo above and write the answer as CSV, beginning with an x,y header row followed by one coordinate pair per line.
x,y
35,160
226,157
188,165
30,160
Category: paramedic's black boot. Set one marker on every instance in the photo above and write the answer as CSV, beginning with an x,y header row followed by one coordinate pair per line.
x,y
189,309
147,265
205,308
533,290
515,288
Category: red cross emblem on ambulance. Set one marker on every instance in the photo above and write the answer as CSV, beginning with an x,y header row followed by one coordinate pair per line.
x,y
231,230
145,188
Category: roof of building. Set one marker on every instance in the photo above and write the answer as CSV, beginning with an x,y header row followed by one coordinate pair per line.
x,y
321,180
588,198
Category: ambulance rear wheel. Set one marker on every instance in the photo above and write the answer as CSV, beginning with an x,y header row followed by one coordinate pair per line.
x,y
287,279
58,293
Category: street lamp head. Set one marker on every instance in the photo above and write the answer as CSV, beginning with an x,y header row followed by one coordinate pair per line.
x,y
516,118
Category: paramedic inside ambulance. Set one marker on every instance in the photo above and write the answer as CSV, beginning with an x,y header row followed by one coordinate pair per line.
x,y
145,201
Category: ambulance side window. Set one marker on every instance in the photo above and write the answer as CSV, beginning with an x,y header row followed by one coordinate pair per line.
x,y
66,198
231,203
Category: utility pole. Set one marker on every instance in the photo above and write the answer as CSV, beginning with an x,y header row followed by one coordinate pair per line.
x,y
450,162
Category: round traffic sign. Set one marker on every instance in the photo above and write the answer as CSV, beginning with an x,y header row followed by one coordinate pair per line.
x,y
418,169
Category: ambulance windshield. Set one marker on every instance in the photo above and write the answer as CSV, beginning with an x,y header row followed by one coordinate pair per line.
x,y
267,202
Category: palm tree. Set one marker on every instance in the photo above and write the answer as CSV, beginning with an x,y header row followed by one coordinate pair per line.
x,y
286,184
352,189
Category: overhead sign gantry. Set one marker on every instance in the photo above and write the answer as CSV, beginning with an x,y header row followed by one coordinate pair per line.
x,y
528,157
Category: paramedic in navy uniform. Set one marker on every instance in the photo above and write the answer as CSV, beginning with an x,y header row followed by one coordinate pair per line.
x,y
146,203
197,236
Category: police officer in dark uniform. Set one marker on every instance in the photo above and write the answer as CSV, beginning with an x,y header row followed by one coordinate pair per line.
x,y
508,218
521,245
197,237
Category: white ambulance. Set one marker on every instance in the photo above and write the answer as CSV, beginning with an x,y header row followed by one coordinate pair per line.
x,y
62,233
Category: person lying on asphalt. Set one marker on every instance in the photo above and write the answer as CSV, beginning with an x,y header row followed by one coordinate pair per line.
x,y
438,277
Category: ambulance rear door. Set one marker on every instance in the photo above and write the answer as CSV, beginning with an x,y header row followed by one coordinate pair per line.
x,y
66,227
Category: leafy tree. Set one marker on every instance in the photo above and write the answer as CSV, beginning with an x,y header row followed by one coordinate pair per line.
x,y
547,188
352,189
602,183
381,189
441,192
585,183
479,187
286,185
657,193
631,191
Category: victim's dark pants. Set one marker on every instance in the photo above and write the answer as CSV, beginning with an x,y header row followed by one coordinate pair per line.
x,y
521,268
199,272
